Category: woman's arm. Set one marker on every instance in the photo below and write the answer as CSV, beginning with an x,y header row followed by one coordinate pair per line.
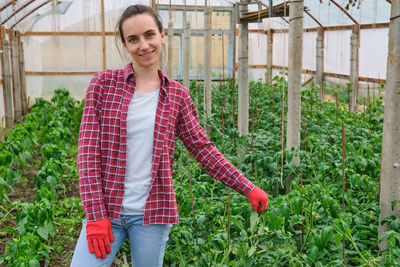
x,y
89,167
205,152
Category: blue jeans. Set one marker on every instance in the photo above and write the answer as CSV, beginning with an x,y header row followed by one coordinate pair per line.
x,y
147,243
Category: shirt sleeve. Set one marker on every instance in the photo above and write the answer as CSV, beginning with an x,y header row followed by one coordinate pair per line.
x,y
205,152
89,163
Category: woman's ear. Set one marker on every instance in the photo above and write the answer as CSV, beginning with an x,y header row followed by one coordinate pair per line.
x,y
163,36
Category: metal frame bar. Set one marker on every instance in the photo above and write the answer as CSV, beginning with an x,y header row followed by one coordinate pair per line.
x,y
29,13
308,13
17,11
344,10
6,5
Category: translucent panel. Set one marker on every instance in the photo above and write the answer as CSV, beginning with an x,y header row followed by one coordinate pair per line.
x,y
280,49
373,58
337,52
257,49
63,53
117,58
44,86
221,20
79,15
309,50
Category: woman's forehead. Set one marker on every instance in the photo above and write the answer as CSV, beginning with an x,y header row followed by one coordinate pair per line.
x,y
139,24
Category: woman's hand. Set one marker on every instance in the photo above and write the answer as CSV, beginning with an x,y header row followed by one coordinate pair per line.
x,y
258,199
99,235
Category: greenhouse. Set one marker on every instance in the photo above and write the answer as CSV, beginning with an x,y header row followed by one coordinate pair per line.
x,y
293,104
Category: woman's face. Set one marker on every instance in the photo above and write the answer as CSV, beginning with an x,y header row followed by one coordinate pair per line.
x,y
143,40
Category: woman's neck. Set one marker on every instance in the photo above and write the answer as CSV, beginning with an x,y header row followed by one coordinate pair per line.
x,y
147,79
146,74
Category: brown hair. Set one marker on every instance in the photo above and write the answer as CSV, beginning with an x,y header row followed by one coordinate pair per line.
x,y
134,10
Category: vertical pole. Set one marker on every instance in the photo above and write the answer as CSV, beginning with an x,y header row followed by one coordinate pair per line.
x,y
207,66
186,57
390,166
234,46
8,100
231,45
170,46
354,66
243,75
16,78
22,76
103,36
296,10
268,75
320,63
2,76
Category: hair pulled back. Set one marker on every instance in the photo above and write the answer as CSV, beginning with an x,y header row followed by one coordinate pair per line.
x,y
134,10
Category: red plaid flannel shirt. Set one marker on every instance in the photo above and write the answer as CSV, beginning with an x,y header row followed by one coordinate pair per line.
x,y
103,147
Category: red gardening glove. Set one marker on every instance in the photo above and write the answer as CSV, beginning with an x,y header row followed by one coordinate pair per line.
x,y
99,234
258,199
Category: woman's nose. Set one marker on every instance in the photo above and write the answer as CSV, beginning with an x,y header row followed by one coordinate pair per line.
x,y
144,44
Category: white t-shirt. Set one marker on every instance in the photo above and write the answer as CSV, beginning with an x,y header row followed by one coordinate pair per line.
x,y
140,133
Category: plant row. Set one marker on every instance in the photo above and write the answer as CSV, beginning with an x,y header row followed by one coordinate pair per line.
x,y
329,217
59,121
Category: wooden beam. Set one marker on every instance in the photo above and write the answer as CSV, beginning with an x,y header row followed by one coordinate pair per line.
x,y
340,28
21,59
327,28
193,6
68,34
64,73
17,11
8,101
17,94
103,37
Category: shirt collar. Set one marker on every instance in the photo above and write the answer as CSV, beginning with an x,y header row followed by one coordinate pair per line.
x,y
128,73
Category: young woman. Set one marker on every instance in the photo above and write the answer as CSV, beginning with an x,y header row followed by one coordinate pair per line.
x,y
126,151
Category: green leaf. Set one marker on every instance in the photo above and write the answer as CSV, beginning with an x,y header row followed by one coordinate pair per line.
x,y
313,254
43,232
51,180
253,220
251,251
338,238
21,225
34,263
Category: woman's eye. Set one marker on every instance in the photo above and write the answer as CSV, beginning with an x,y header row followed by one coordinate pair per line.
x,y
132,40
150,34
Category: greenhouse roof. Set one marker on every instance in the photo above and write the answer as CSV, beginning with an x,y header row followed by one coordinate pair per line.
x,y
24,14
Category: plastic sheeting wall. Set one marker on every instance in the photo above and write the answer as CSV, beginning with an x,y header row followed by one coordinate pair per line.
x,y
373,52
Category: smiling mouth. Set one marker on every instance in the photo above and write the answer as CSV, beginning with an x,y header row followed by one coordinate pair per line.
x,y
147,54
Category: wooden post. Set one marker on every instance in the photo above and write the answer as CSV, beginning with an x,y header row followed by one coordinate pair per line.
x,y
2,76
243,75
103,36
270,40
207,67
170,47
186,57
16,78
354,66
390,166
22,76
296,9
320,63
8,100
